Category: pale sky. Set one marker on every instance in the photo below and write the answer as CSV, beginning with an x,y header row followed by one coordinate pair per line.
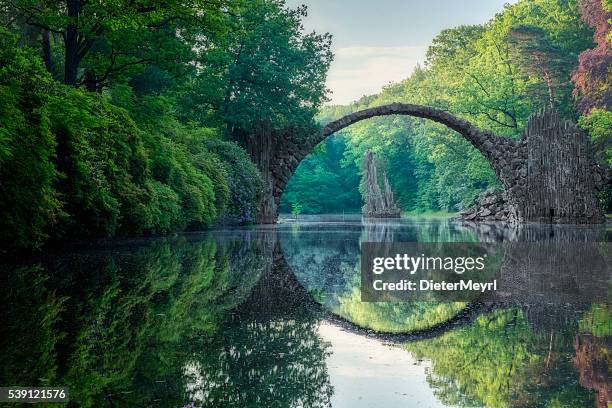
x,y
380,41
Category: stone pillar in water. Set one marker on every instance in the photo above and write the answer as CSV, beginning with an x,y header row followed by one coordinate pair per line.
x,y
378,204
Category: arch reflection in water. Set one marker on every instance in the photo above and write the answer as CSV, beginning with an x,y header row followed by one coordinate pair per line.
x,y
528,347
234,318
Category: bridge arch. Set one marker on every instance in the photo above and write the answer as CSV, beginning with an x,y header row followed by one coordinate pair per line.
x,y
548,174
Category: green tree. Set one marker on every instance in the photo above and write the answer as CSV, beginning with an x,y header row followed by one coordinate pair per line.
x,y
264,67
494,75
28,202
324,182
99,41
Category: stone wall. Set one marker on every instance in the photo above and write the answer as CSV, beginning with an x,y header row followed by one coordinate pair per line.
x,y
490,206
549,176
278,153
560,187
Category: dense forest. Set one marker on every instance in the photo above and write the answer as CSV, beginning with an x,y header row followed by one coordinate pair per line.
x,y
534,54
132,117
126,117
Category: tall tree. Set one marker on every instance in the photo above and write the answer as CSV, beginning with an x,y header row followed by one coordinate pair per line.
x,y
104,40
537,55
264,68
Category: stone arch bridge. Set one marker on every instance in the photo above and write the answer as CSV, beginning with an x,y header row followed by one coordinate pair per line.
x,y
548,174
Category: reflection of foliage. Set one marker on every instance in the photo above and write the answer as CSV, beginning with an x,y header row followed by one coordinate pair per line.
x,y
327,262
414,230
321,260
29,302
394,317
598,320
263,364
593,359
499,361
325,257
118,326
594,364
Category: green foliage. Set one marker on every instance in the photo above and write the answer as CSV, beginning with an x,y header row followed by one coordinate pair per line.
x,y
75,166
324,182
244,180
494,75
296,209
598,124
597,321
102,161
492,363
97,43
113,321
28,202
399,317
136,143
264,67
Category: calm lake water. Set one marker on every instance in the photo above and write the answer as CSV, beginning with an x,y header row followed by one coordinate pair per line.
x,y
271,316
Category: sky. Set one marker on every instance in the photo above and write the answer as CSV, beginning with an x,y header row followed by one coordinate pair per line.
x,y
376,42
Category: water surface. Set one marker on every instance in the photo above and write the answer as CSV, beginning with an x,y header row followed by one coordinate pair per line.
x,y
271,316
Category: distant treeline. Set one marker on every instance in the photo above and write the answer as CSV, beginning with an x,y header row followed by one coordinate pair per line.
x,y
535,53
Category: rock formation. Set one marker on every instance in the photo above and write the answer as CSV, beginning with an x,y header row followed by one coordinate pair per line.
x,y
378,204
489,206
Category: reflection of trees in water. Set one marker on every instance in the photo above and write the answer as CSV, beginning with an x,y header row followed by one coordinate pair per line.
x,y
521,354
325,259
593,359
262,364
394,317
116,325
142,324
518,355
499,361
379,230
593,362
416,230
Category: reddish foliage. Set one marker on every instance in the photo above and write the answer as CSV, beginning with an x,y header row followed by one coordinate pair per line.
x,y
592,363
592,13
592,76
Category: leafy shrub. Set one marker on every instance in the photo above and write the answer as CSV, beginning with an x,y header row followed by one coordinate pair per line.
x,y
244,181
75,166
598,124
28,203
171,164
103,164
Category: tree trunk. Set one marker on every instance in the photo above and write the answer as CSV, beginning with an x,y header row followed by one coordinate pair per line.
x,y
46,50
91,84
71,42
549,85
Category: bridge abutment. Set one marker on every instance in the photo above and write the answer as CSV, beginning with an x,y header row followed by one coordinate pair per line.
x,y
277,154
549,174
